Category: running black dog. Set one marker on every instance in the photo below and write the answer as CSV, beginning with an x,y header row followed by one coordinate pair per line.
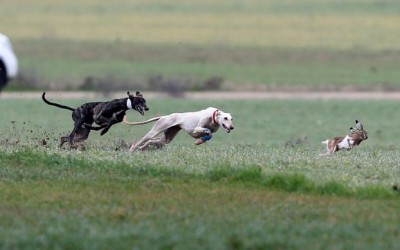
x,y
104,114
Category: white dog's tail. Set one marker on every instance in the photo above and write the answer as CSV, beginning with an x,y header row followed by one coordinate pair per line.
x,y
141,123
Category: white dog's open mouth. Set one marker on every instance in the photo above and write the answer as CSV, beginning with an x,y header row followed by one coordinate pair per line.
x,y
228,130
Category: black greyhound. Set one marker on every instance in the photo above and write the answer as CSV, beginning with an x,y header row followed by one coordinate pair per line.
x,y
104,114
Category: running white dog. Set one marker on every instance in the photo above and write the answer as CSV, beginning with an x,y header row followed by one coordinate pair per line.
x,y
200,125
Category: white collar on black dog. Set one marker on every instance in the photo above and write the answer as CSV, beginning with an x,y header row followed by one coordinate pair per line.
x,y
129,104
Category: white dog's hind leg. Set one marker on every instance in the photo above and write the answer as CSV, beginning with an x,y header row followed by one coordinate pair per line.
x,y
156,141
160,126
169,135
150,135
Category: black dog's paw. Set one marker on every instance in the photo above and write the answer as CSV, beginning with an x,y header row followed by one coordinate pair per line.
x,y
104,131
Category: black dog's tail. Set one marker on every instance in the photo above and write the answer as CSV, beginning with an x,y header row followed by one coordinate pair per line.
x,y
56,104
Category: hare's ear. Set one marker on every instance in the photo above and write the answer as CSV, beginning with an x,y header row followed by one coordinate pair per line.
x,y
359,125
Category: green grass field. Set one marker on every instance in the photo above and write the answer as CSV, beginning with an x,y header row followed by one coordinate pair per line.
x,y
263,186
256,44
244,190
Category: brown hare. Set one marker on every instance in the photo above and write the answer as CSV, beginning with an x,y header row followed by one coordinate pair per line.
x,y
356,136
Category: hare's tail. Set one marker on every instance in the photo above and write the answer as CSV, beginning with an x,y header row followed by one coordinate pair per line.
x,y
325,142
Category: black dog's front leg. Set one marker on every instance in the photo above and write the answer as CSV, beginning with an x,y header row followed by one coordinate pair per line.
x,y
89,126
116,118
105,130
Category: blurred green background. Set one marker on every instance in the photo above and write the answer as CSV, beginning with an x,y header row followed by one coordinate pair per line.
x,y
205,44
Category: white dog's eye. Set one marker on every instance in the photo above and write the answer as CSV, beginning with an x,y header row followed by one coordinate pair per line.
x,y
226,118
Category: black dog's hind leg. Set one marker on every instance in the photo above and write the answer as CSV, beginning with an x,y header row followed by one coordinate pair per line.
x,y
78,124
63,140
80,135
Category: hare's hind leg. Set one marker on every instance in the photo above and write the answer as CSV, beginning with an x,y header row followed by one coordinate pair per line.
x,y
330,149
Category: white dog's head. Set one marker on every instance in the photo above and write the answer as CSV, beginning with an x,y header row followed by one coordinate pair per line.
x,y
225,120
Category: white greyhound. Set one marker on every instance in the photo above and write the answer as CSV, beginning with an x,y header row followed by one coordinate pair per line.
x,y
200,125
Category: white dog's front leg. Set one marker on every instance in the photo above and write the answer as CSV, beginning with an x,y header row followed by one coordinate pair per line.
x,y
203,136
199,130
199,141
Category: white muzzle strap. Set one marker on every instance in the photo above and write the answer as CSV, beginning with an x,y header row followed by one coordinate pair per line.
x,y
129,104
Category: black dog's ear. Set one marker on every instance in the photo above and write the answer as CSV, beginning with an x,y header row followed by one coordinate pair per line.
x,y
138,94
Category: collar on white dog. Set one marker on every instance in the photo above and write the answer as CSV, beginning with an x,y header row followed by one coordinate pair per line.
x,y
129,103
214,117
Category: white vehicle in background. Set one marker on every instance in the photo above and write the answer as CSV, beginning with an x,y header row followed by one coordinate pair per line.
x,y
8,61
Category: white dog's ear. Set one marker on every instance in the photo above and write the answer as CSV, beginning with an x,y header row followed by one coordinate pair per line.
x,y
218,113
359,125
